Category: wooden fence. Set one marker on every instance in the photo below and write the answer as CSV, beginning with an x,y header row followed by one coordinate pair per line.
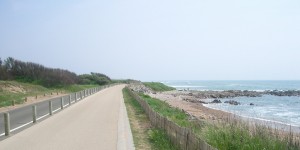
x,y
184,138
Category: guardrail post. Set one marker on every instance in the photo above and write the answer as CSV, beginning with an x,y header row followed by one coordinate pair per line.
x,y
75,97
62,103
34,113
7,124
70,98
80,94
50,108
13,102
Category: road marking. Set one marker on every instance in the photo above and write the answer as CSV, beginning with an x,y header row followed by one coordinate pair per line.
x,y
21,126
42,117
56,110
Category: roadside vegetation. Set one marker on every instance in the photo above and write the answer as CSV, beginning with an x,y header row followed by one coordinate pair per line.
x,y
158,87
29,72
233,135
19,79
18,91
145,137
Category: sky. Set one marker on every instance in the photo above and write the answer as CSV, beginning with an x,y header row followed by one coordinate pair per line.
x,y
153,40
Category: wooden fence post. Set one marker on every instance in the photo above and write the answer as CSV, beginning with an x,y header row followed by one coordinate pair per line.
x,y
7,124
34,113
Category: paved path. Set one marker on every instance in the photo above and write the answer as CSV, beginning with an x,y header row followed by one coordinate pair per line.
x,y
98,122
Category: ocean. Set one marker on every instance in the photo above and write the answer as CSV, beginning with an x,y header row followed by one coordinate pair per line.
x,y
278,109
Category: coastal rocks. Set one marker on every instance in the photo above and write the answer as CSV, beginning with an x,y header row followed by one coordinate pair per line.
x,y
232,102
284,93
216,101
226,94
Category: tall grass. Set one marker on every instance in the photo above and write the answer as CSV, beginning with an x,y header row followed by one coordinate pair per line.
x,y
236,135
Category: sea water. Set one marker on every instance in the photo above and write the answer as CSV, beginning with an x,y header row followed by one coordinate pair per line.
x,y
234,85
278,109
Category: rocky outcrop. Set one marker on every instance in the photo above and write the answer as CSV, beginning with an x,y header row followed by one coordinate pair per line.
x,y
284,93
232,102
216,101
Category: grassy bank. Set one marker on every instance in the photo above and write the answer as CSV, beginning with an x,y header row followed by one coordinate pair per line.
x,y
144,136
231,135
158,87
17,91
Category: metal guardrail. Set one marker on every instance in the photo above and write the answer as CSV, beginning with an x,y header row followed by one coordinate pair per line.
x,y
25,116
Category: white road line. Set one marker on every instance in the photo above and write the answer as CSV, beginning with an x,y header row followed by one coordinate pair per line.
x,y
56,110
21,126
42,117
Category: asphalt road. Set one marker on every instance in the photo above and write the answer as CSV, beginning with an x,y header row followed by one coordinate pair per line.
x,y
97,122
21,118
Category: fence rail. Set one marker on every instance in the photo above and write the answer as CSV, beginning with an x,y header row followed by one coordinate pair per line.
x,y
28,115
182,137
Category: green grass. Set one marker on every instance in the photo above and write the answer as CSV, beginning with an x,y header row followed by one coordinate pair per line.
x,y
237,136
160,140
22,90
144,136
174,114
231,135
76,88
158,87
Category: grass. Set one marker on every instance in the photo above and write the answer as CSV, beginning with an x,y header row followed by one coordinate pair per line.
x,y
17,91
76,88
236,135
158,87
160,140
230,135
144,136
174,114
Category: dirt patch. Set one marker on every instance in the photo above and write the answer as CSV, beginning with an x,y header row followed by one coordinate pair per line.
x,y
12,88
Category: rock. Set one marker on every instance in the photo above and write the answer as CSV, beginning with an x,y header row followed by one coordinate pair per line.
x,y
251,104
203,102
216,101
232,102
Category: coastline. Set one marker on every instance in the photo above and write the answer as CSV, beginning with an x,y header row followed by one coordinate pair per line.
x,y
202,111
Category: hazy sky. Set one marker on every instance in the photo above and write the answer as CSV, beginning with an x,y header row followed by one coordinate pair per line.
x,y
157,39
